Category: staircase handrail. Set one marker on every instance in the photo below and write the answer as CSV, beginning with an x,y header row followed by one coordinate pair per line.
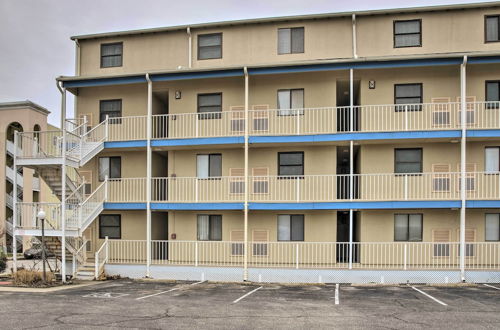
x,y
80,189
82,253
101,125
98,264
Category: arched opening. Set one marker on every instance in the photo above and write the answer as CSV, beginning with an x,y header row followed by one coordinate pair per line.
x,y
15,126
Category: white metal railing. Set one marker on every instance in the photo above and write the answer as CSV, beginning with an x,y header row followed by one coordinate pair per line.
x,y
127,128
98,133
41,144
83,213
27,215
309,255
101,258
80,256
190,125
323,120
127,190
309,188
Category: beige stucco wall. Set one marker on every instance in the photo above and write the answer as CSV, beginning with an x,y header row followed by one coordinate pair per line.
x,y
330,38
28,118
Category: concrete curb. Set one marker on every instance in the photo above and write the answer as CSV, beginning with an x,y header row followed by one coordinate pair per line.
x,y
48,290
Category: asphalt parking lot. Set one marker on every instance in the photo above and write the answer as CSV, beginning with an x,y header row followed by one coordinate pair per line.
x,y
187,305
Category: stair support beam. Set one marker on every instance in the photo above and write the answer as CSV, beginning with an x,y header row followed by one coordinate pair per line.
x,y
63,180
14,201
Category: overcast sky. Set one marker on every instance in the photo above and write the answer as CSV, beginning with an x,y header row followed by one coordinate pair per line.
x,y
34,34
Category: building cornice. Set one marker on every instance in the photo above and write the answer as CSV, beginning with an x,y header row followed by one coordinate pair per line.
x,y
24,105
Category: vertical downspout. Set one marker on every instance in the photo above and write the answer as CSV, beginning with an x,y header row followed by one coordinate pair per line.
x,y
354,41
14,212
245,209
77,73
463,148
148,177
351,160
63,182
190,48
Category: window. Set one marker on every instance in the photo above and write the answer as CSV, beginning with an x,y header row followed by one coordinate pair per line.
x,y
289,99
492,163
110,167
208,166
209,46
408,33
492,94
492,28
290,163
291,227
409,96
408,227
111,108
209,106
110,225
111,55
492,230
291,40
209,227
408,160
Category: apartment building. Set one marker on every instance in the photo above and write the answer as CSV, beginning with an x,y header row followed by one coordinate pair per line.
x,y
18,116
347,147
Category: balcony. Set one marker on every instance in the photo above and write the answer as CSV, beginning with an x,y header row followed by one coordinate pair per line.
x,y
309,121
308,255
308,188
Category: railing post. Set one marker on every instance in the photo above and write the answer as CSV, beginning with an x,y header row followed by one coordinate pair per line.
x,y
96,274
297,188
405,256
298,121
406,187
197,124
106,241
296,255
196,190
106,183
406,117
74,265
106,129
196,254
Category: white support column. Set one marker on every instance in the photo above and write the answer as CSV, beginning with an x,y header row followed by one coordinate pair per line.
x,y
351,162
63,183
148,178
463,155
354,37
245,210
14,202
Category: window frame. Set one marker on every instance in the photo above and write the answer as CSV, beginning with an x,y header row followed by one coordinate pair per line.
x,y
102,56
493,104
410,173
212,114
291,113
209,177
405,21
205,35
417,107
119,225
110,100
497,171
109,176
486,41
291,39
290,226
485,219
408,227
210,216
280,176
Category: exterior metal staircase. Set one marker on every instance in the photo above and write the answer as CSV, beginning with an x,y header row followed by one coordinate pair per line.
x,y
48,152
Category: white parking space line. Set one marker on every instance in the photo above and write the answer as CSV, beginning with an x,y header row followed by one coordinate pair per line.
x,y
246,294
429,296
156,294
491,286
173,289
337,301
